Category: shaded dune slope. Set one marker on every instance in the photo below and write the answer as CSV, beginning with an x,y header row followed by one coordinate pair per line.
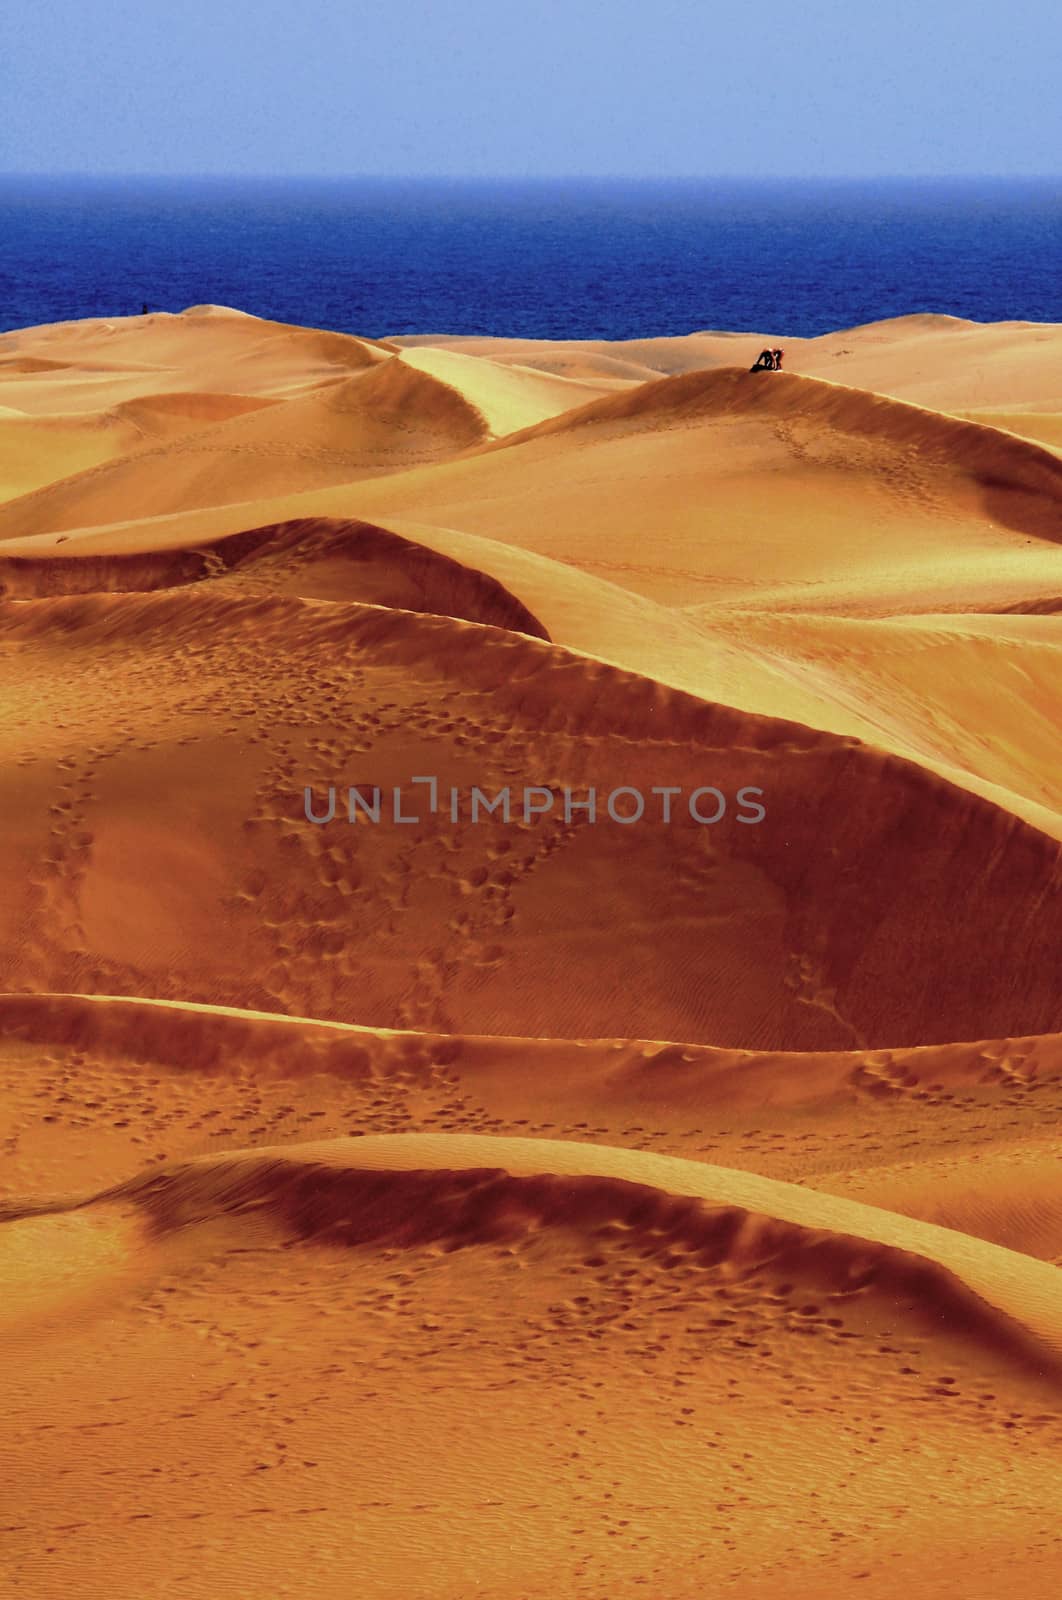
x,y
618,1072
764,938
316,558
409,1191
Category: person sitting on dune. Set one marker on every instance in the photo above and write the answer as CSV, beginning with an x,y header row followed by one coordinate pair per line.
x,y
777,355
764,362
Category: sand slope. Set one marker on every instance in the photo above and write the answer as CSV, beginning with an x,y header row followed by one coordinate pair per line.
x,y
863,1119
777,490
386,1269
250,903
335,408
376,421
971,697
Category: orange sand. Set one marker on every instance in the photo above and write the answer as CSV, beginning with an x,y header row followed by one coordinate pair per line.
x,y
535,1209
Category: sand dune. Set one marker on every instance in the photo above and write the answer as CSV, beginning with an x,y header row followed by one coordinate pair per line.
x,y
618,360
1009,1195
312,558
37,450
381,419
853,677
999,464
508,397
945,362
177,452
1043,427
776,493
972,698
530,1205
96,364
900,1125
459,1190
386,1270
330,695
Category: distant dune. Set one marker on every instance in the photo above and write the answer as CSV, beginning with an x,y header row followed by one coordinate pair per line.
x,y
543,1206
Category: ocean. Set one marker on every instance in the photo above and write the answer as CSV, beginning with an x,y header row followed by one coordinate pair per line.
x,y
580,259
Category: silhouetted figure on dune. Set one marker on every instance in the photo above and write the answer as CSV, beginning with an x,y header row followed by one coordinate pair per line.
x,y
764,362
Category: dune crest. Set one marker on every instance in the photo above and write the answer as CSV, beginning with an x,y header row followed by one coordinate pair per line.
x,y
458,1191
788,957
312,558
997,460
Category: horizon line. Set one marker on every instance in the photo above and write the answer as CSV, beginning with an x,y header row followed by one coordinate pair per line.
x,y
549,177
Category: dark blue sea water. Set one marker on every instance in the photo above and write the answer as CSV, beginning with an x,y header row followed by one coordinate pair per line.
x,y
554,259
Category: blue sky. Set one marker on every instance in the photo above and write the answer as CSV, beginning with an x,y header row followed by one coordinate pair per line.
x,y
532,87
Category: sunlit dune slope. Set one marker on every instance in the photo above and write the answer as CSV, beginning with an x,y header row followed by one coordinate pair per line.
x,y
945,362
768,489
949,363
83,366
508,397
1011,1195
35,450
1045,427
388,416
994,462
619,362
973,698
976,696
876,904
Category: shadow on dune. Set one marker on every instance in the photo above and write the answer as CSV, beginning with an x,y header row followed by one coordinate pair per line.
x,y
316,558
410,1193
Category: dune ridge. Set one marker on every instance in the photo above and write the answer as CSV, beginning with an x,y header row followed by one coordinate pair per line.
x,y
383,417
998,460
408,1190
348,560
808,668
822,976
208,1038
